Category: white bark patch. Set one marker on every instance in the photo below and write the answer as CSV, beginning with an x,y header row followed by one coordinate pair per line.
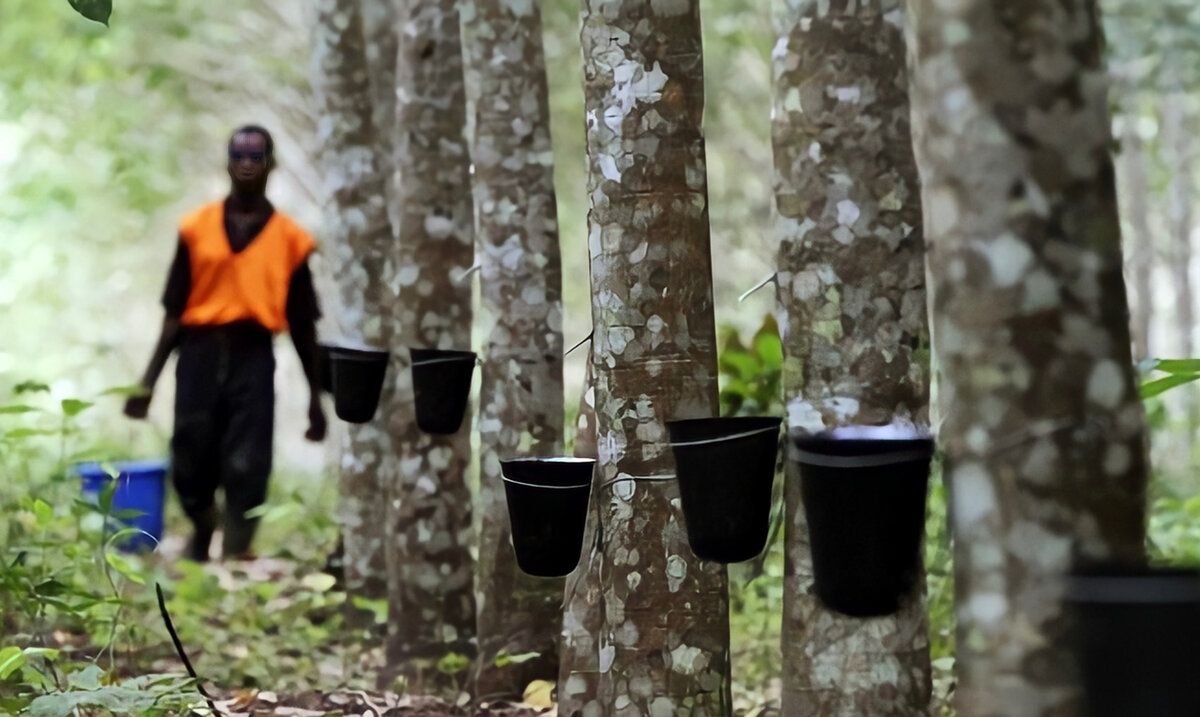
x,y
1106,384
619,338
684,659
987,609
520,8
848,212
1008,258
1117,459
849,95
608,653
803,416
438,227
845,408
676,571
662,707
974,497
626,634
407,275
625,487
608,167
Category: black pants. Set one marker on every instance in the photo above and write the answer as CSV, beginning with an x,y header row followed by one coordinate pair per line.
x,y
224,421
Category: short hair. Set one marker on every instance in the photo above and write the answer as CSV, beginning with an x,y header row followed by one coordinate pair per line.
x,y
259,130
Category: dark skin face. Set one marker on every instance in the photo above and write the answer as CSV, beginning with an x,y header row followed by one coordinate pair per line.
x,y
249,165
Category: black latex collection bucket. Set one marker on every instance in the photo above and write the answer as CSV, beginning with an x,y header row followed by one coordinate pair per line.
x,y
1137,637
864,492
325,367
547,509
357,377
442,385
725,467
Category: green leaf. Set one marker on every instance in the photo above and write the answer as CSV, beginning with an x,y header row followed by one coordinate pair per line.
x,y
86,679
453,663
133,389
31,387
378,607
44,512
28,433
11,660
121,565
96,10
16,408
1157,386
50,588
74,407
1191,365
770,350
318,582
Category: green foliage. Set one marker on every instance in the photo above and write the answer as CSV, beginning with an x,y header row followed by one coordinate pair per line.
x,y
96,10
751,373
1179,372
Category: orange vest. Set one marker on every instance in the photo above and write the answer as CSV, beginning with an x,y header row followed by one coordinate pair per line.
x,y
249,285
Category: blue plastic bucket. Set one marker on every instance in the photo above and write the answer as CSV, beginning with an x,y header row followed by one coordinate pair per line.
x,y
141,487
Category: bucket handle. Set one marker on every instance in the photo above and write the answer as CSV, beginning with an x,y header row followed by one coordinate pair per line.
x,y
871,461
722,439
426,362
643,479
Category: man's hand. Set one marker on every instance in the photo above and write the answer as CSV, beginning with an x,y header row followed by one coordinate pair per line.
x,y
316,419
138,406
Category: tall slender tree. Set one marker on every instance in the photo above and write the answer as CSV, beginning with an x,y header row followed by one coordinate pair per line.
x,y
381,24
664,644
851,294
361,250
1042,426
583,617
521,394
431,605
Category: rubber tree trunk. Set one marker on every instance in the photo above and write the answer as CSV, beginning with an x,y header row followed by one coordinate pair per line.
x,y
1140,240
664,645
851,298
583,617
360,246
1043,427
431,604
381,22
521,395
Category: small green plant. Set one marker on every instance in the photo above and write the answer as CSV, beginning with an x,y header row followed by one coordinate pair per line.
x,y
751,373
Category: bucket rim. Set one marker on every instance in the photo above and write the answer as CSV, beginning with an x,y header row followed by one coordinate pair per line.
x,y
129,468
1171,584
349,353
873,460
434,353
571,486
568,460
773,424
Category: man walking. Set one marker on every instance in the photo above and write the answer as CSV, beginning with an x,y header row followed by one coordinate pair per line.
x,y
239,277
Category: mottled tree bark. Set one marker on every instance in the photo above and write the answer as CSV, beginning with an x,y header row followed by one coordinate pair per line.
x,y
381,23
521,395
664,645
1043,427
583,605
1140,261
431,605
851,294
360,248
